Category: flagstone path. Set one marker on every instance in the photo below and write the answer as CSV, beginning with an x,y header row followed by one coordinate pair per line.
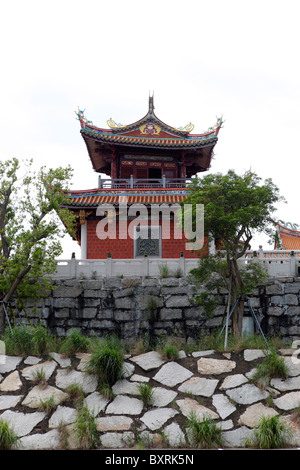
x,y
207,383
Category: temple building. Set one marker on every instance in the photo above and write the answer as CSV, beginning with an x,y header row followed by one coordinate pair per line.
x,y
149,164
288,236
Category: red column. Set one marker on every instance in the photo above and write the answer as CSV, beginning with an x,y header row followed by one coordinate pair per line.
x,y
183,168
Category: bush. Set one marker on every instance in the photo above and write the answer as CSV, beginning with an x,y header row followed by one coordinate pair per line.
x,y
106,361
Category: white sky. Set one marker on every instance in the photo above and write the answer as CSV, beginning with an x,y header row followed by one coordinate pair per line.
x,y
203,59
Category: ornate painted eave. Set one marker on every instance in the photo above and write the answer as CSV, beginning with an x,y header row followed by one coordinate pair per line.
x,y
94,197
149,131
289,236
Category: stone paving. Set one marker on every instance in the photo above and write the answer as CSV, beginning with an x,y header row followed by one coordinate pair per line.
x,y
207,383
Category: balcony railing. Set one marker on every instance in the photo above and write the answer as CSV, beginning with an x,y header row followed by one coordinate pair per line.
x,y
132,183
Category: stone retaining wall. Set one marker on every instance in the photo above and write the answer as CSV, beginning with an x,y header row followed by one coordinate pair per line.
x,y
134,307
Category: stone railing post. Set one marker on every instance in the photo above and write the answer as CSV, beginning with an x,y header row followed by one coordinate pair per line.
x,y
182,263
293,264
72,264
108,265
146,266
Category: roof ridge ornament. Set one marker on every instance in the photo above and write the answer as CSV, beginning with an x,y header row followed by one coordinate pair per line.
x,y
113,125
188,128
151,104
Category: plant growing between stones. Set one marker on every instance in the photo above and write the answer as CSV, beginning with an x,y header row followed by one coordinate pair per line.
x,y
85,429
48,405
146,393
75,392
107,361
152,306
39,376
203,433
272,366
270,434
8,437
170,352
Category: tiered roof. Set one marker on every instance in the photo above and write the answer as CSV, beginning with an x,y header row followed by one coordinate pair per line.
x,y
147,133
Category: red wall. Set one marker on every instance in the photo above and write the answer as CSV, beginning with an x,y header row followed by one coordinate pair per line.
x,y
124,248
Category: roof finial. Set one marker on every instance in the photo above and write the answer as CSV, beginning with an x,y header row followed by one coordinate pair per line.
x,y
151,103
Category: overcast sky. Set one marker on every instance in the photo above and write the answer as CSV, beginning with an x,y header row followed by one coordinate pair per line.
x,y
202,59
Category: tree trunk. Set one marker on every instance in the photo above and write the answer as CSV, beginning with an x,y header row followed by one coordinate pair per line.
x,y
236,288
10,293
237,319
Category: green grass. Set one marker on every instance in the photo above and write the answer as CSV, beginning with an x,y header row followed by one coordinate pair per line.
x,y
270,434
85,429
272,366
74,342
107,361
146,393
25,340
203,434
8,438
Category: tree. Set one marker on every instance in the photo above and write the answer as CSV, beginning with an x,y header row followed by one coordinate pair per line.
x,y
235,207
30,229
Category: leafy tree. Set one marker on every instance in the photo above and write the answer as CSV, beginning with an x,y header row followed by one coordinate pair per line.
x,y
235,207
30,203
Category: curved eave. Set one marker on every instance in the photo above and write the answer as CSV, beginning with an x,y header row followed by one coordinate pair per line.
x,y
94,198
191,142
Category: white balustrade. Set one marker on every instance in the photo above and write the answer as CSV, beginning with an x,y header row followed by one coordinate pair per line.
x,y
279,263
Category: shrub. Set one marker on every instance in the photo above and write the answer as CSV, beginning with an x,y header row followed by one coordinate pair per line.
x,y
8,438
203,433
107,361
270,434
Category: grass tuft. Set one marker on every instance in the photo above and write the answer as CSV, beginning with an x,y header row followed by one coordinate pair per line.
x,y
8,438
107,361
272,366
203,434
85,429
270,434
